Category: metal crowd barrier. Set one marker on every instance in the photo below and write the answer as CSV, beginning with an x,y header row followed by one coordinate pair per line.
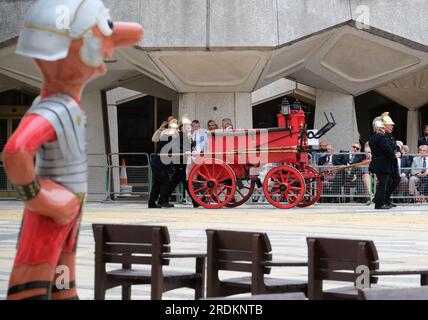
x,y
97,179
351,185
6,188
138,176
358,185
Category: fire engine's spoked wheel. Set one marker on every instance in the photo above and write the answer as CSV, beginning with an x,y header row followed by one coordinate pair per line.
x,y
313,187
212,184
284,187
244,190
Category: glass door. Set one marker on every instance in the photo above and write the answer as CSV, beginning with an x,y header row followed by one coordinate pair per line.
x,y
7,126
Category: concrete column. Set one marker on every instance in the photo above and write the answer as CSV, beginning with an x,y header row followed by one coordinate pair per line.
x,y
216,106
92,104
413,129
342,107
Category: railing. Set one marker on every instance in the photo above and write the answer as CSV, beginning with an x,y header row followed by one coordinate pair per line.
x,y
350,185
357,184
97,179
139,176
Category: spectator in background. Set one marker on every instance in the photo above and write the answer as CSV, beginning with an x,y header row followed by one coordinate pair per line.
x,y
367,179
226,124
195,125
407,159
404,162
405,150
329,158
331,183
163,126
418,182
322,146
211,125
424,139
353,177
199,137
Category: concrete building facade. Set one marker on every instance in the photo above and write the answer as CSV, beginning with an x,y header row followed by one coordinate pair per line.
x,y
218,58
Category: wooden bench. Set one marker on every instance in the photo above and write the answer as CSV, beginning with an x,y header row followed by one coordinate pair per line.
x,y
130,245
333,259
415,293
248,252
268,296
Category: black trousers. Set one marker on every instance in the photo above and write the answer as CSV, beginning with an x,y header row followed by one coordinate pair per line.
x,y
385,182
394,184
179,176
160,186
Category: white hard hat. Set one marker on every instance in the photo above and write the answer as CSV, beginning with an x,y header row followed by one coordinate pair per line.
x,y
185,120
51,25
378,123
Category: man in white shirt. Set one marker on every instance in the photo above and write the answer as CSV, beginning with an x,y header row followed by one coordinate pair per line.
x,y
419,172
199,137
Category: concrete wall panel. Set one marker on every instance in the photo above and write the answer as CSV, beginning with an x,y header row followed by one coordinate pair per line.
x,y
12,13
299,18
174,23
405,18
243,23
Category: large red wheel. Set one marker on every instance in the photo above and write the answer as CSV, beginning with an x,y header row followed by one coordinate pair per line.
x,y
313,183
284,187
212,184
244,190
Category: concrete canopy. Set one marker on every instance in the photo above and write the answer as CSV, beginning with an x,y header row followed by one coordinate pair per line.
x,y
242,45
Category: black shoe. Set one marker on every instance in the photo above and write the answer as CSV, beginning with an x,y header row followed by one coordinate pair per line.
x,y
384,206
165,205
392,205
195,205
154,206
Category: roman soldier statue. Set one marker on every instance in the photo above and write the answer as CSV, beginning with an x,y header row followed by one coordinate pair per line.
x,y
69,41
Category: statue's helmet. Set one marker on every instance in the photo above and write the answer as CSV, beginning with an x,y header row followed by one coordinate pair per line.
x,y
386,118
51,26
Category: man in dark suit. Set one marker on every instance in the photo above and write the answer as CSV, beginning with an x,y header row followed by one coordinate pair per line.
x,y
353,178
404,167
424,139
384,161
330,158
332,183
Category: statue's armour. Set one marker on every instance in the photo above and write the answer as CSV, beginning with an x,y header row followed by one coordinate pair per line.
x,y
64,160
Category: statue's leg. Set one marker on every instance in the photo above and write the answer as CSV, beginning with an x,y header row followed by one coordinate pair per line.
x,y
40,245
31,282
64,286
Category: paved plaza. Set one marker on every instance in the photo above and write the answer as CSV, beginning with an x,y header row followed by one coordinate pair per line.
x,y
400,234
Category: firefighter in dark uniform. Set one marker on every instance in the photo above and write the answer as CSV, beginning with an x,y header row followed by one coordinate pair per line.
x,y
389,127
161,165
384,163
182,145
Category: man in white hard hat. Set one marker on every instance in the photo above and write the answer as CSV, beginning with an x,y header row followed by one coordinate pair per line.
x,y
395,175
383,163
69,41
